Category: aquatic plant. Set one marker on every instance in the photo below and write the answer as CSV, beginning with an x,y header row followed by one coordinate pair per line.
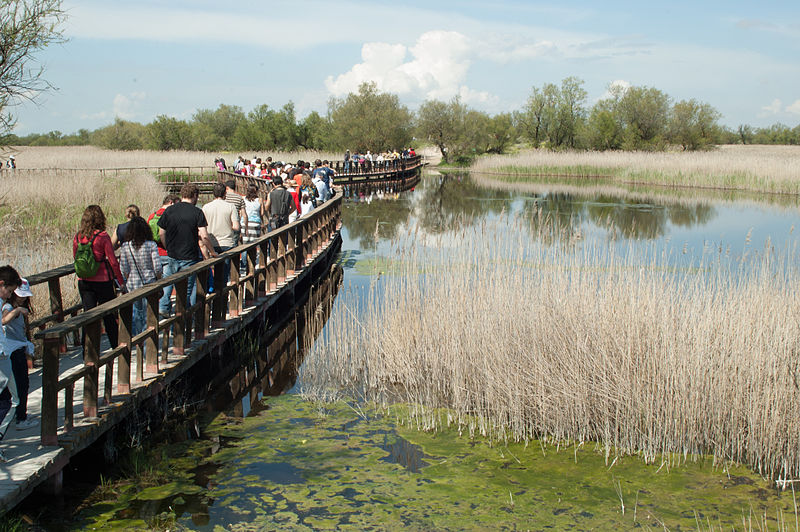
x,y
522,339
753,168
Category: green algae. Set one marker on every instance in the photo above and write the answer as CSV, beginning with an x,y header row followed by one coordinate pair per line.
x,y
300,465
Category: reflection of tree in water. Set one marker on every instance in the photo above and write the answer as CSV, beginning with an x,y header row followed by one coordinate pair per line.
x,y
454,201
685,216
557,217
645,220
361,218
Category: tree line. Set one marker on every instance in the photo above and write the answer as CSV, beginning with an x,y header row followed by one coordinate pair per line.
x,y
554,116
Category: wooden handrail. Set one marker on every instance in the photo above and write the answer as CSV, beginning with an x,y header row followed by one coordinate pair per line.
x,y
282,252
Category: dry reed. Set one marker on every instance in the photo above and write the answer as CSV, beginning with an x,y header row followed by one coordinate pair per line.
x,y
515,338
40,215
85,157
755,168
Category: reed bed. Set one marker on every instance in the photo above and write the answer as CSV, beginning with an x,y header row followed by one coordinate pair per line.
x,y
774,169
88,157
508,336
39,215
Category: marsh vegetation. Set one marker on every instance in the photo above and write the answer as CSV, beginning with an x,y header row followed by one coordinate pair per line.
x,y
772,169
552,338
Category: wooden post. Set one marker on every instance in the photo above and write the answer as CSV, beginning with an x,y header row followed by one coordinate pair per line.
x,y
57,304
150,344
91,357
250,287
202,312
290,243
234,299
124,367
52,348
262,284
220,304
179,337
272,265
281,257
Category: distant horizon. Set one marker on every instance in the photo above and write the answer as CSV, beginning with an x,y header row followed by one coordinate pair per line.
x,y
137,59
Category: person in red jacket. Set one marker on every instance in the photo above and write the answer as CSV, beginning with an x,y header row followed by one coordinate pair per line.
x,y
98,289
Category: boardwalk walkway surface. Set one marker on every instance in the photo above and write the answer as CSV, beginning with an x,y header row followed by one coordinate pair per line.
x,y
116,382
276,265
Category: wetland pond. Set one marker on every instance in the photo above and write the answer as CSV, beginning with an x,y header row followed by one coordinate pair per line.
x,y
262,461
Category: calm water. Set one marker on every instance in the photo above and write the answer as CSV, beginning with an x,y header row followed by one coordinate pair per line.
x,y
281,463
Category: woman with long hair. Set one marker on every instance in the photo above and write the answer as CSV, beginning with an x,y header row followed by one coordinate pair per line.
x,y
140,265
254,209
98,288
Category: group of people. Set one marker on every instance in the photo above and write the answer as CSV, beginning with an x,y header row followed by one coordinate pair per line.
x,y
365,162
15,352
141,250
179,234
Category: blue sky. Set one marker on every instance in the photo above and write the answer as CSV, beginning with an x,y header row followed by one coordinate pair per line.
x,y
139,59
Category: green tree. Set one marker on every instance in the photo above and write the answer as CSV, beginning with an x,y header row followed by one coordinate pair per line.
x,y
215,129
315,132
26,27
537,117
645,113
121,135
745,133
166,133
500,132
569,114
370,120
693,124
441,123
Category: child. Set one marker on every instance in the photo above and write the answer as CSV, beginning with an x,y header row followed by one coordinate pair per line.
x,y
9,281
15,311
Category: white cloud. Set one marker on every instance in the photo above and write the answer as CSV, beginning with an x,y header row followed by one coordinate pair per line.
x,y
773,108
125,106
794,108
435,67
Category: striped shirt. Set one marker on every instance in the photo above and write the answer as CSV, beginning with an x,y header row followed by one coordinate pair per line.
x,y
139,266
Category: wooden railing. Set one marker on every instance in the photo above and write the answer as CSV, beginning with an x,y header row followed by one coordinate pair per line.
x,y
392,169
270,260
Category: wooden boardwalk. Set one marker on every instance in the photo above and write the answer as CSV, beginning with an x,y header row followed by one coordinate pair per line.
x,y
84,418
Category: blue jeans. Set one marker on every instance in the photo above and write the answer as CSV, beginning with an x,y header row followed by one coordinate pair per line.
x,y
7,380
175,266
164,304
139,316
226,269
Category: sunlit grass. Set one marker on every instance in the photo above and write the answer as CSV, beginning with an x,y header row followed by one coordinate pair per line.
x,y
774,169
521,339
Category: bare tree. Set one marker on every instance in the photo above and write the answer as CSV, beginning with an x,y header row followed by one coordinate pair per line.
x,y
26,27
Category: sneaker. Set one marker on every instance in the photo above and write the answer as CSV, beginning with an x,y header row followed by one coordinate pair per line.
x,y
3,458
27,424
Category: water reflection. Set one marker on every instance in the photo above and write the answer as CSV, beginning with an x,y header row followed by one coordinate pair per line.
x,y
271,371
689,220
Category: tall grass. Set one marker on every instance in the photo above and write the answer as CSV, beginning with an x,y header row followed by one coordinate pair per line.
x,y
92,157
40,215
520,339
773,169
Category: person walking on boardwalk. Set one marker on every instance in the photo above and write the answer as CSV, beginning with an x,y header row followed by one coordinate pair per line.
x,y
182,228
140,265
152,221
236,199
120,235
16,311
254,214
96,266
9,281
280,204
223,224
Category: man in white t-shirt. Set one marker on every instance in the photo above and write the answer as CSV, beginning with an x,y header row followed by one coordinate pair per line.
x,y
223,224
